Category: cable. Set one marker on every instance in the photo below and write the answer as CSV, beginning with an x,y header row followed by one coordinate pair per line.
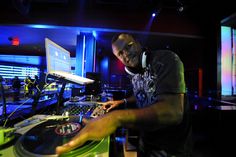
x,y
15,111
21,105
46,77
47,84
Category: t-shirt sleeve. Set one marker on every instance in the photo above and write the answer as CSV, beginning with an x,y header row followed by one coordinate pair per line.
x,y
170,74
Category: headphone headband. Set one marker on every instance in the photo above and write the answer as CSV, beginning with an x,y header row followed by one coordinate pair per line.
x,y
129,71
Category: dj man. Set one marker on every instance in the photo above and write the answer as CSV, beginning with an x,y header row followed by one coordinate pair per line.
x,y
159,92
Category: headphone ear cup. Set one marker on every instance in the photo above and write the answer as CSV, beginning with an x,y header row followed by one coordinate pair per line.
x,y
132,71
143,64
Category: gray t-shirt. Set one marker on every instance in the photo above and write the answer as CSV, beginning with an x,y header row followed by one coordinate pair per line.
x,y
164,74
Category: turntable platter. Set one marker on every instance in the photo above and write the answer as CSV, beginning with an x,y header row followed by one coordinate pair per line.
x,y
42,140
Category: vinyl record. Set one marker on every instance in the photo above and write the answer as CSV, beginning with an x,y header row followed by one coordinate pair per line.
x,y
43,139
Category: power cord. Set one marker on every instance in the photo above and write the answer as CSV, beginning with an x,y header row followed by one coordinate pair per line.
x,y
21,105
15,111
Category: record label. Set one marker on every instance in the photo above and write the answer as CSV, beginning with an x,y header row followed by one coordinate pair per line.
x,y
67,129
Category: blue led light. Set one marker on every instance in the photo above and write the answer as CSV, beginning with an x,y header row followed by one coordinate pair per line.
x,y
42,26
104,63
95,34
30,60
120,139
21,72
209,98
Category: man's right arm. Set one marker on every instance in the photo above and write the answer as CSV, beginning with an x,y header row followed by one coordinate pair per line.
x,y
115,103
131,99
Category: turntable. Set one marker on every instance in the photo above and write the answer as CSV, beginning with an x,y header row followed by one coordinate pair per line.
x,y
42,140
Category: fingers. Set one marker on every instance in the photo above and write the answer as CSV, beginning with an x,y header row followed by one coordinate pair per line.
x,y
101,103
77,141
107,105
85,121
63,149
108,109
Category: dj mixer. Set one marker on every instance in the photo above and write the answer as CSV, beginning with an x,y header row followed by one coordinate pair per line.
x,y
88,109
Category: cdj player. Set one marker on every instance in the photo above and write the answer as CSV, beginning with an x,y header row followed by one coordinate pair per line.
x,y
41,134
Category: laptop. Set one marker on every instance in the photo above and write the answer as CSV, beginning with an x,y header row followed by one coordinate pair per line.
x,y
59,64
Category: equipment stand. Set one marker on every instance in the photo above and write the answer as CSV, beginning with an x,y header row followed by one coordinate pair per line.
x,y
60,97
4,105
36,100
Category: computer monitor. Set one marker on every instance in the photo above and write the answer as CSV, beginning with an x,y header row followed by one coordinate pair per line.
x,y
58,58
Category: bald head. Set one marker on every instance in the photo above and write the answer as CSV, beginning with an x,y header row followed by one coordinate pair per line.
x,y
126,49
124,37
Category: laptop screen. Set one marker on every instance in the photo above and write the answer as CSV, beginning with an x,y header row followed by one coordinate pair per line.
x,y
57,58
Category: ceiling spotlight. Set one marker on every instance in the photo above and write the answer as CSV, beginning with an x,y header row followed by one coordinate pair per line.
x,y
180,6
156,13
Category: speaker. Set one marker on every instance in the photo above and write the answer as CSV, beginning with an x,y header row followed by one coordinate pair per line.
x,y
76,92
96,87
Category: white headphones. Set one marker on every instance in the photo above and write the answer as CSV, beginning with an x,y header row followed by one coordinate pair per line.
x,y
133,71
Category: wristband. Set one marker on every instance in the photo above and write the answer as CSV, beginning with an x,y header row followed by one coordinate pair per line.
x,y
125,101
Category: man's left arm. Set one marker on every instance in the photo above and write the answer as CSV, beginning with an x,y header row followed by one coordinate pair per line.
x,y
167,111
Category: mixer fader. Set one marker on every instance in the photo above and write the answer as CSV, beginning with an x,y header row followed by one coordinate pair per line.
x,y
89,109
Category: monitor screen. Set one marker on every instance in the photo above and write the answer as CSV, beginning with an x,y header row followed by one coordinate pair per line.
x,y
57,58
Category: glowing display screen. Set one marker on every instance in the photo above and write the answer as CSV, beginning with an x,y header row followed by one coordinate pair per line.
x,y
58,59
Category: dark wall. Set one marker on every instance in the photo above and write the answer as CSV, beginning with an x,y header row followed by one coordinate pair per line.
x,y
92,14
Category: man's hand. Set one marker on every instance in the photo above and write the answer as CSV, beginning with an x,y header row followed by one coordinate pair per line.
x,y
95,129
111,104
